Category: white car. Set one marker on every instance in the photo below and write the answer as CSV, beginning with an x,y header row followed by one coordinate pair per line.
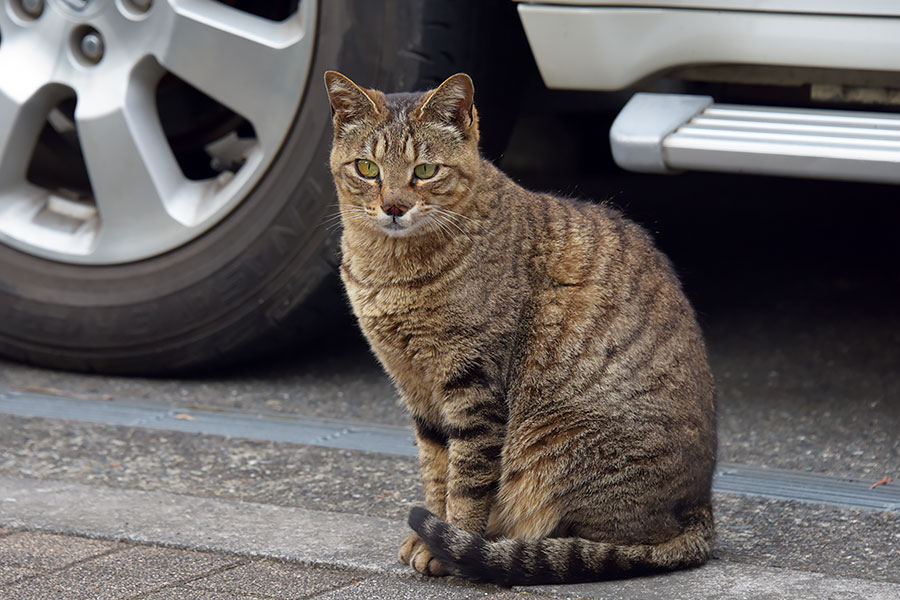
x,y
164,192
836,52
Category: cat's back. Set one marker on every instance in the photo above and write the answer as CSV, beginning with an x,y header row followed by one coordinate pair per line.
x,y
608,309
570,242
581,243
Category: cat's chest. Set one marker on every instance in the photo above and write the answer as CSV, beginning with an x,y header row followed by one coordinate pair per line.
x,y
405,331
397,309
416,331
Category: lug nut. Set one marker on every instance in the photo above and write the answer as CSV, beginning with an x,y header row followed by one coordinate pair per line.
x,y
33,8
92,46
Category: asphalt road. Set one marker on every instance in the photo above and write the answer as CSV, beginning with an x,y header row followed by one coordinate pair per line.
x,y
797,287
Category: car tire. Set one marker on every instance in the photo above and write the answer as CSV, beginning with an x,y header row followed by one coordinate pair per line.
x,y
263,277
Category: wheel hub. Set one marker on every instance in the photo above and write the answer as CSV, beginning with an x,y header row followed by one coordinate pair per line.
x,y
114,59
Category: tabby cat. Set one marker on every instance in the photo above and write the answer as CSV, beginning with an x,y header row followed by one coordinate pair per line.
x,y
558,381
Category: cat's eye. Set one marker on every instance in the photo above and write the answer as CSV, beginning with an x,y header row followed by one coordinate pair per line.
x,y
425,171
367,168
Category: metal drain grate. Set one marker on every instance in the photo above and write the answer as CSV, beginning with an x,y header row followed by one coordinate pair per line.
x,y
784,484
290,429
730,478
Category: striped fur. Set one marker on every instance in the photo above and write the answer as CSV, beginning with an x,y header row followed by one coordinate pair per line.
x,y
563,405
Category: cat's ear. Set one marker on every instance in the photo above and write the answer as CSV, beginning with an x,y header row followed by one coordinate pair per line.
x,y
350,104
453,104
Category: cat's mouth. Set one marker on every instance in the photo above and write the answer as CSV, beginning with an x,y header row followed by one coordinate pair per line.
x,y
399,225
393,225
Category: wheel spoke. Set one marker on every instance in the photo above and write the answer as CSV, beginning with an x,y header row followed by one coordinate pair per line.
x,y
254,66
25,100
143,204
133,173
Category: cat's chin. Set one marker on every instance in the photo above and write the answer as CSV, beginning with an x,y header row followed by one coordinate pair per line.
x,y
399,227
398,230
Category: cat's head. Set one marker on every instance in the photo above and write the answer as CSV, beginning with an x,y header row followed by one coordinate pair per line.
x,y
403,164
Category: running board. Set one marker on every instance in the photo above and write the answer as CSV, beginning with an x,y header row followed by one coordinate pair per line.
x,y
668,133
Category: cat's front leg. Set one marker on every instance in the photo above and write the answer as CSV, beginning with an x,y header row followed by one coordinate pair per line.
x,y
433,465
475,415
431,442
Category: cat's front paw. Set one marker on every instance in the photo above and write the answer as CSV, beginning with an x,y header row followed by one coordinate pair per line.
x,y
414,553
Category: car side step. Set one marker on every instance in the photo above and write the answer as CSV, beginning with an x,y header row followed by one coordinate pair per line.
x,y
666,133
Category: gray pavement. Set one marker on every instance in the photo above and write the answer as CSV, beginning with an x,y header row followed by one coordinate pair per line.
x,y
65,567
279,500
232,536
43,566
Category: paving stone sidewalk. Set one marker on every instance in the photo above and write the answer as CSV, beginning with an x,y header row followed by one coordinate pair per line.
x,y
44,566
64,540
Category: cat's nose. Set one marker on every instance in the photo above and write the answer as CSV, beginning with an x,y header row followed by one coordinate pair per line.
x,y
394,209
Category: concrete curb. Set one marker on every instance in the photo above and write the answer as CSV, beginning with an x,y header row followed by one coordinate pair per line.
x,y
356,542
307,536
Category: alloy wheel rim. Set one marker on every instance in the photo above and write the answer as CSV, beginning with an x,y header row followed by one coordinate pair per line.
x,y
88,80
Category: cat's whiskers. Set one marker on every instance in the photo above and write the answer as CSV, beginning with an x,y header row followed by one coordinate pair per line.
x,y
441,215
431,223
331,220
354,215
466,217
454,213
457,217
342,210
332,216
343,215
437,226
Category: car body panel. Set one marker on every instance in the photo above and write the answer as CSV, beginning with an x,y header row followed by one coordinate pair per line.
x,y
606,47
837,7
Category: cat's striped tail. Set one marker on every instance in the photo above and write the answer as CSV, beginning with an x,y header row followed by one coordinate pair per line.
x,y
559,560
